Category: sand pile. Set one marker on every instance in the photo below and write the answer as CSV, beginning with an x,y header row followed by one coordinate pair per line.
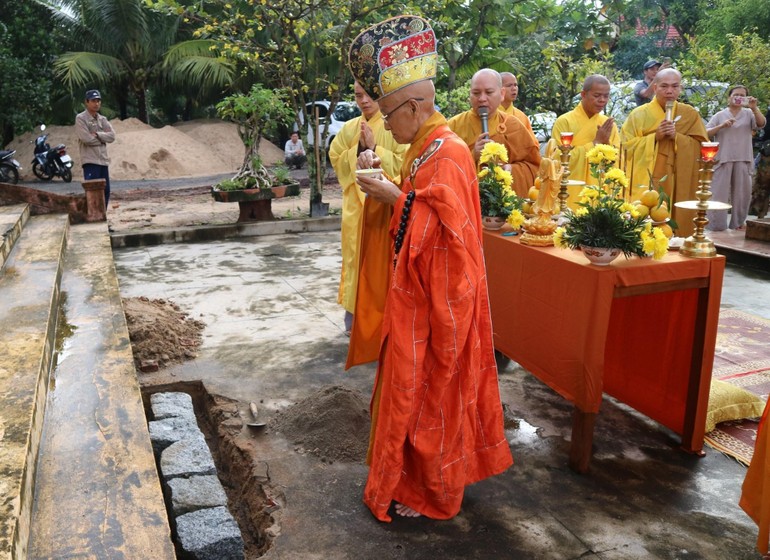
x,y
332,423
189,149
160,331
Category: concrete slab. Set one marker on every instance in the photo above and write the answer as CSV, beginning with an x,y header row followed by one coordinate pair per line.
x,y
643,499
98,494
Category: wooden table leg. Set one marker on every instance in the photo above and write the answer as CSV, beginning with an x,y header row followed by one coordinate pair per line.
x,y
582,440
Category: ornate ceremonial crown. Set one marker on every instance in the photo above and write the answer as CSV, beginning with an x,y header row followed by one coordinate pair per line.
x,y
393,54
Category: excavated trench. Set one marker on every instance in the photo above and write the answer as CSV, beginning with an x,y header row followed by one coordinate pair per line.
x,y
245,481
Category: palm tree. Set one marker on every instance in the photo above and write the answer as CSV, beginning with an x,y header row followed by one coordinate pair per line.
x,y
132,48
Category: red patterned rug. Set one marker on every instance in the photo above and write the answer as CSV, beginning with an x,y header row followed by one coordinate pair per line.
x,y
742,358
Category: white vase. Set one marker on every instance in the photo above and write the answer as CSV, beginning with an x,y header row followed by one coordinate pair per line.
x,y
601,256
492,222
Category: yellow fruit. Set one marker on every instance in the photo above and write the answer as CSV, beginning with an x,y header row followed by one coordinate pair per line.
x,y
650,198
526,207
537,182
667,231
660,213
534,192
643,210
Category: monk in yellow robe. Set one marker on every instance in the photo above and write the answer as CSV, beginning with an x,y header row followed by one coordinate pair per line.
x,y
366,132
755,495
590,127
664,146
510,93
523,149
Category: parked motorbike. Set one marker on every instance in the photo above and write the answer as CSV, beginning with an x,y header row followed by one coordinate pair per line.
x,y
50,161
9,167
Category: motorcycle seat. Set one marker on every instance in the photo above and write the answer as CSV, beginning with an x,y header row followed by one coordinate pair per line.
x,y
6,153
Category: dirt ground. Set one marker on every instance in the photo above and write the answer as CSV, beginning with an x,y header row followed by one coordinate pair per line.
x,y
137,210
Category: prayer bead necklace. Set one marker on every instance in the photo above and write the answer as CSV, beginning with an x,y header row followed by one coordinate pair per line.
x,y
402,226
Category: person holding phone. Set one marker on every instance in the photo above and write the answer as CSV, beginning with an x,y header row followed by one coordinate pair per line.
x,y
732,128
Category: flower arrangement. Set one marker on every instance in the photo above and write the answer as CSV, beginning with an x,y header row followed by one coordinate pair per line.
x,y
495,193
604,218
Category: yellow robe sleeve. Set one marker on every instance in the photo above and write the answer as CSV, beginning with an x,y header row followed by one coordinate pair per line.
x,y
343,154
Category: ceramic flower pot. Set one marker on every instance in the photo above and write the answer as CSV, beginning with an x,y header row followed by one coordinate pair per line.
x,y
601,256
492,222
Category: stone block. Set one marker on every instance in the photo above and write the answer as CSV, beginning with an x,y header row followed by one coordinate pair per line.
x,y
210,534
185,458
167,405
196,492
170,430
758,229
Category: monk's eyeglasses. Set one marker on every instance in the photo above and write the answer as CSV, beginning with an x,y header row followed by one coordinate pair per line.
x,y
385,117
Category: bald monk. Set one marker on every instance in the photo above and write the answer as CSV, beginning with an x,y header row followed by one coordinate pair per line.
x,y
590,127
366,132
510,93
523,149
665,148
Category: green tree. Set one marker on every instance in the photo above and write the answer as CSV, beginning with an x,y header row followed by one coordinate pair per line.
x,y
253,113
26,52
735,17
131,48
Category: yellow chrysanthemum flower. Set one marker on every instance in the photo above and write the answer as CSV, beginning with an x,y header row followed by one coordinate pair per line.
x,y
483,173
602,154
493,152
582,211
661,243
589,193
515,219
504,177
617,177
558,237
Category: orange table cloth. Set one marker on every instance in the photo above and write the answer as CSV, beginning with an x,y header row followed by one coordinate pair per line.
x,y
640,330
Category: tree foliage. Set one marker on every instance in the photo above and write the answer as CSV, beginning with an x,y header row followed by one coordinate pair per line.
x,y
27,48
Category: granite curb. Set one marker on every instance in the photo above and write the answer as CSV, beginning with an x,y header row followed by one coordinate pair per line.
x,y
196,234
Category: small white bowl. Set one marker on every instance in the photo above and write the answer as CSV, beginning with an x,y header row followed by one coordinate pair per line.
x,y
374,173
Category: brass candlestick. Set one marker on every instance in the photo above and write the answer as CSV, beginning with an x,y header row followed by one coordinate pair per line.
x,y
566,147
698,245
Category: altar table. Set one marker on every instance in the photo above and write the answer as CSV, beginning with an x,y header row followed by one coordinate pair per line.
x,y
640,330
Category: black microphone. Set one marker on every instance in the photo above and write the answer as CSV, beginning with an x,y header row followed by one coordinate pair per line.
x,y
484,115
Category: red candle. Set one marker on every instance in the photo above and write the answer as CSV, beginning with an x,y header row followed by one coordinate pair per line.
x,y
708,150
566,138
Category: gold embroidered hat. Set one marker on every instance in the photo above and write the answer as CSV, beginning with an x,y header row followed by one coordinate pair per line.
x,y
393,54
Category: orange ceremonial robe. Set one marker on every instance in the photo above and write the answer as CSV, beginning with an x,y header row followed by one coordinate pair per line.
x,y
437,420
755,496
677,160
523,148
523,118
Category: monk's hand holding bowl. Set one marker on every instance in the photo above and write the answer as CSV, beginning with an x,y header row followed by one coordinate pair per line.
x,y
378,187
367,160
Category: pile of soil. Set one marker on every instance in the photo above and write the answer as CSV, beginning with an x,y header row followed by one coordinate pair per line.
x,y
332,423
161,332
188,149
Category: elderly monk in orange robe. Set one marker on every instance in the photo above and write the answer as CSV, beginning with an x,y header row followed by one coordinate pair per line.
x,y
755,496
437,420
523,148
510,93
665,147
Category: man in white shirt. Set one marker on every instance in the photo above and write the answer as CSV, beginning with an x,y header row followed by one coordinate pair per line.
x,y
294,152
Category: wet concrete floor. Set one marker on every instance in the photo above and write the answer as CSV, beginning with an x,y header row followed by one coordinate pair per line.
x,y
275,335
